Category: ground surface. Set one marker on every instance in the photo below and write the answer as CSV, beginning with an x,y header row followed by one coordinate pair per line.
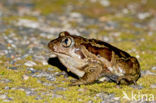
x,y
26,26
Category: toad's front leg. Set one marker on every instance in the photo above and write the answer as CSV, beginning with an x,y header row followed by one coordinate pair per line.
x,y
92,73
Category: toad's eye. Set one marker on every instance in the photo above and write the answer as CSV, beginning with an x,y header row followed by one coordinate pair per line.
x,y
66,42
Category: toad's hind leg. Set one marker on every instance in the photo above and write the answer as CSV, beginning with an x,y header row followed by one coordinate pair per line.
x,y
128,79
92,73
133,72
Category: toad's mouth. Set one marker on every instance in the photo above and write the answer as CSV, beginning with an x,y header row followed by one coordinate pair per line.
x,y
59,53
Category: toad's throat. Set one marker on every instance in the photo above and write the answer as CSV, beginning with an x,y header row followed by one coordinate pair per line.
x,y
70,63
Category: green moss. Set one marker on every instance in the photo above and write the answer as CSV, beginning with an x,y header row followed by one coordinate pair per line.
x,y
122,3
10,19
83,93
29,18
127,36
73,24
51,6
91,27
150,4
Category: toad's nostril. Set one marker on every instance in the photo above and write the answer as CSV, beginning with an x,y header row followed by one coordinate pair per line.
x,y
51,46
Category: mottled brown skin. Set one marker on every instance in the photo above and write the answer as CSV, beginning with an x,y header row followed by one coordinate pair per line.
x,y
91,59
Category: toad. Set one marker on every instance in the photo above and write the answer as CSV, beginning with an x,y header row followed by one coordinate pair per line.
x,y
91,59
